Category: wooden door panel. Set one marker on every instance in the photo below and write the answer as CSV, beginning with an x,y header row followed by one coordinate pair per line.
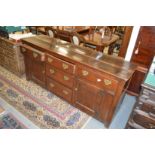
x,y
38,72
145,46
105,106
87,97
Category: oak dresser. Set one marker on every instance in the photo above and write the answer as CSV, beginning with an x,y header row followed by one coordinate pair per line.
x,y
87,79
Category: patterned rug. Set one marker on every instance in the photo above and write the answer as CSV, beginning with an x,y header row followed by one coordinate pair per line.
x,y
1,110
40,106
8,121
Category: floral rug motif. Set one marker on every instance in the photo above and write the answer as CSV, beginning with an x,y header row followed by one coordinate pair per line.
x,y
43,108
8,121
1,110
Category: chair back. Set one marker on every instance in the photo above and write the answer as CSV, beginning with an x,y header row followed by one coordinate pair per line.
x,y
77,39
50,31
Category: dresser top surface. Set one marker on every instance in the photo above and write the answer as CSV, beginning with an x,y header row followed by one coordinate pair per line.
x,y
107,63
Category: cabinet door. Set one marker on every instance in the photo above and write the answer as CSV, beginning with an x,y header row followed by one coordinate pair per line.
x,y
38,72
144,48
94,101
87,97
106,108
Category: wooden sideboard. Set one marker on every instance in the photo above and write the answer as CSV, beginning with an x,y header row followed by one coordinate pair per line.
x,y
89,81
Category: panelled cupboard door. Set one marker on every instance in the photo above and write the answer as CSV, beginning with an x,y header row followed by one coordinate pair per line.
x,y
92,99
145,47
105,108
87,96
38,72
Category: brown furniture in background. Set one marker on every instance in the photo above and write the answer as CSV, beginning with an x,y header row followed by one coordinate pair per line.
x,y
91,82
11,57
143,115
65,32
95,39
37,29
125,41
143,53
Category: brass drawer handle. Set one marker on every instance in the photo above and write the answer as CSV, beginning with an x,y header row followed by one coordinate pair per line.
x,y
65,92
99,80
52,71
151,126
64,66
51,85
23,50
50,60
76,89
107,82
85,73
35,55
66,78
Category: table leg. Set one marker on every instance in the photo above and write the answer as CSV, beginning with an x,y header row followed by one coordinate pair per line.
x,y
99,48
111,49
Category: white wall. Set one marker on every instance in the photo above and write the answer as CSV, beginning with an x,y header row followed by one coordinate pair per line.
x,y
132,42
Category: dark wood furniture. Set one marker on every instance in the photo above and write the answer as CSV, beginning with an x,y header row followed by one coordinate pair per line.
x,y
66,32
51,32
94,83
125,41
143,53
78,29
143,115
100,43
77,39
11,57
37,29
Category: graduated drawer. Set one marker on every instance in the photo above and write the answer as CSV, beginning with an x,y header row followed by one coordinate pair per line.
x,y
148,95
142,118
33,53
7,44
97,78
61,64
60,76
149,108
59,89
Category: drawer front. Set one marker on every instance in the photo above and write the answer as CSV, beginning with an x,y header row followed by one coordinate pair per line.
x,y
149,108
144,120
60,64
148,95
59,90
6,44
38,73
98,79
38,56
62,77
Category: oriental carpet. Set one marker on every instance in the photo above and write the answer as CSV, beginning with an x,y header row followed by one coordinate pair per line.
x,y
43,108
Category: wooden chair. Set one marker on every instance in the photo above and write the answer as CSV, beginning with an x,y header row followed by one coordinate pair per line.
x,y
77,39
90,46
37,29
51,32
